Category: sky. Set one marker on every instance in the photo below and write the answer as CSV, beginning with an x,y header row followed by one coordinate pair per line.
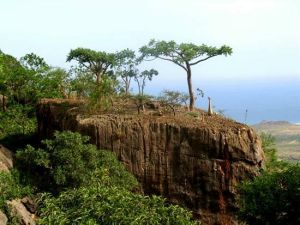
x,y
264,35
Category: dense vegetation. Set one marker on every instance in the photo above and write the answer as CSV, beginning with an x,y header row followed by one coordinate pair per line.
x,y
82,185
274,197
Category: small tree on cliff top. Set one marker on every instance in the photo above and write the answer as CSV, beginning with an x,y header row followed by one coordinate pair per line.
x,y
98,62
184,55
126,63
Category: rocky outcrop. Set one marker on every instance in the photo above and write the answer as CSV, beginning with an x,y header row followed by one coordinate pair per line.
x,y
3,218
6,159
192,161
18,210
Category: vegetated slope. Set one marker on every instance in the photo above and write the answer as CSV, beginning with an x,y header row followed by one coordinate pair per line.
x,y
287,138
192,159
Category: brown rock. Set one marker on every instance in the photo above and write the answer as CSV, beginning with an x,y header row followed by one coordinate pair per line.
x,y
192,162
6,159
19,210
3,218
29,204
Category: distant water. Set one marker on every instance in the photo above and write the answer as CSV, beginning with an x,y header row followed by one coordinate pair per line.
x,y
275,100
254,102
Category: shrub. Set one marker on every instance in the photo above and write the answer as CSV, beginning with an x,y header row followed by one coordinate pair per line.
x,y
96,187
274,196
17,126
11,188
100,204
68,161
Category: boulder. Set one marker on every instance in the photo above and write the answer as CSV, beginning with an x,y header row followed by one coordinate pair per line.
x,y
6,159
3,218
29,204
19,210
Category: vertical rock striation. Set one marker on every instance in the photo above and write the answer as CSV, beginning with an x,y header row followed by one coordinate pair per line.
x,y
191,162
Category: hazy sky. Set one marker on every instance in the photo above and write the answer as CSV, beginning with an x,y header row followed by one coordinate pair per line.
x,y
264,34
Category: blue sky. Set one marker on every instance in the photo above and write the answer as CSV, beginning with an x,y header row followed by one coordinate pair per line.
x,y
264,34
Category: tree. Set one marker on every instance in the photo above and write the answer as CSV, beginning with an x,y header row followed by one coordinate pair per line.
x,y
173,99
141,77
126,62
34,62
98,62
13,77
184,55
82,83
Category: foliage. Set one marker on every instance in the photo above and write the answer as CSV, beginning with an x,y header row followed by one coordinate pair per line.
x,y
30,79
34,63
272,198
140,101
103,194
102,95
126,62
11,187
97,62
269,148
68,161
100,204
173,99
13,77
55,84
17,126
141,77
82,83
183,55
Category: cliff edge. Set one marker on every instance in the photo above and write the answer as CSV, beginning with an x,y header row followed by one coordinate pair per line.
x,y
196,162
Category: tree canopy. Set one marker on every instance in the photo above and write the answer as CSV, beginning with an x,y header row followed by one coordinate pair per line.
x,y
183,55
98,62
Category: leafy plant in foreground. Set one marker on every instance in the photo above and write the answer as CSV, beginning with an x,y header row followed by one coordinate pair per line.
x,y
100,204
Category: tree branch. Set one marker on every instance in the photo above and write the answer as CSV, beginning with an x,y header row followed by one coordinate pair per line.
x,y
172,62
201,60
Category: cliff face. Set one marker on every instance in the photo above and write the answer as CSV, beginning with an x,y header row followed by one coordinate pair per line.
x,y
192,162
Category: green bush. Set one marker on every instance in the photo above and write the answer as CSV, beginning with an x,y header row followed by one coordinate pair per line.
x,y
17,120
99,204
11,188
96,187
274,196
68,161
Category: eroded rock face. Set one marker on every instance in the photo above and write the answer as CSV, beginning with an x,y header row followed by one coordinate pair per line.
x,y
192,162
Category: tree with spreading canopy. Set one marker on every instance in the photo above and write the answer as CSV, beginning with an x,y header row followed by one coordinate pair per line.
x,y
184,55
97,62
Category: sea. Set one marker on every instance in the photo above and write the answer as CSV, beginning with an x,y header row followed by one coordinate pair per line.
x,y
248,101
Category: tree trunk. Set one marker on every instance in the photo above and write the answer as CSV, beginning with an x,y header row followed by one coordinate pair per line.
x,y
97,78
191,93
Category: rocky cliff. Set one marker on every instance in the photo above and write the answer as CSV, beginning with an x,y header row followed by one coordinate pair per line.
x,y
192,161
